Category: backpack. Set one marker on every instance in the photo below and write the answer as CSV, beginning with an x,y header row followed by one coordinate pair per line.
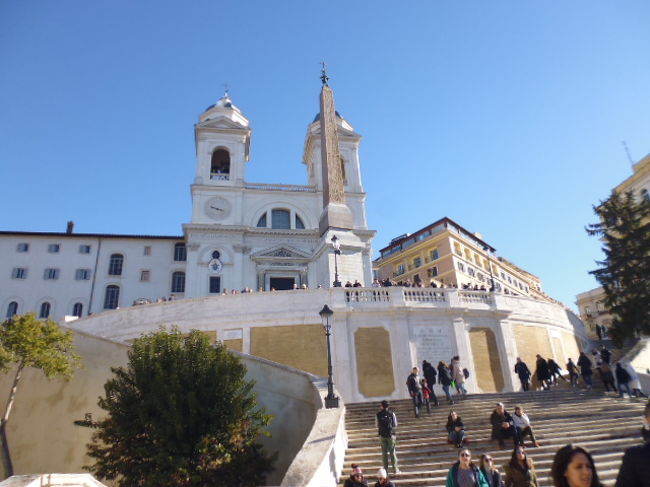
x,y
466,373
385,423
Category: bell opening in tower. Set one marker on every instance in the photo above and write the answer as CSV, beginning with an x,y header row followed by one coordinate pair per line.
x,y
220,165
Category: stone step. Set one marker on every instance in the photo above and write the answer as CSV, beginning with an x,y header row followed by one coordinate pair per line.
x,y
601,422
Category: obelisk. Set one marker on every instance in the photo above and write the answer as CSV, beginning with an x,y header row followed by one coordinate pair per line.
x,y
336,214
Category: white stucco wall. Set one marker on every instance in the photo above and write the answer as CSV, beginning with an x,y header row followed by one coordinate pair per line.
x,y
399,310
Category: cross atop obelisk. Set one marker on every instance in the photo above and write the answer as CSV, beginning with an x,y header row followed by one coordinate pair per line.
x,y
336,213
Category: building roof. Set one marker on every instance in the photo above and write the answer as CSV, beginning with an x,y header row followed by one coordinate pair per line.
x,y
445,220
90,235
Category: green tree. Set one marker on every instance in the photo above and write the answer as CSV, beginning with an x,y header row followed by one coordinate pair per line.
x,y
624,274
180,414
26,341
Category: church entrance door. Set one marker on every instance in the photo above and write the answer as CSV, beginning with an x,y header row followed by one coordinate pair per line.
x,y
281,283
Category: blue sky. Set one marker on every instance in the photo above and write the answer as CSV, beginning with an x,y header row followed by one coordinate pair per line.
x,y
506,116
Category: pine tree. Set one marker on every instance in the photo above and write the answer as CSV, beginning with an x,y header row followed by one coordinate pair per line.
x,y
624,274
180,414
26,341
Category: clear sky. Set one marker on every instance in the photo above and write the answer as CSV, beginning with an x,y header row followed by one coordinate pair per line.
x,y
506,116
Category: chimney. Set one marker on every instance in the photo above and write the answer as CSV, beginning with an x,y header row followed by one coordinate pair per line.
x,y
70,227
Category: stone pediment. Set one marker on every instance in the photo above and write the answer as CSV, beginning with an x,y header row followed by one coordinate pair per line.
x,y
220,123
281,252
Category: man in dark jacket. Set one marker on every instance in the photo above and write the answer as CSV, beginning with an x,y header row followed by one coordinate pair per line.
x,y
386,423
502,426
415,391
623,379
543,373
522,370
585,368
430,374
635,468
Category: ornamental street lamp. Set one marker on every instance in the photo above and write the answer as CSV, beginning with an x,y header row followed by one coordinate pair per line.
x,y
331,401
337,251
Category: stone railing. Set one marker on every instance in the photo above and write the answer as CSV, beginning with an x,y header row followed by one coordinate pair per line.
x,y
419,296
215,176
319,463
281,187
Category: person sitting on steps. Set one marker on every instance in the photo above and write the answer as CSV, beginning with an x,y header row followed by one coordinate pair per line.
x,y
455,429
502,425
522,426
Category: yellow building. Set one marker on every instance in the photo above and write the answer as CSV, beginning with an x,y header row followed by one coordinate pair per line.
x,y
593,312
639,182
447,254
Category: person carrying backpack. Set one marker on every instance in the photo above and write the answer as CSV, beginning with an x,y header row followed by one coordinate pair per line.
x,y
386,423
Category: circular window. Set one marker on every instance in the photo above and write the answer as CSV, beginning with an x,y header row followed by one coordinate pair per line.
x,y
216,254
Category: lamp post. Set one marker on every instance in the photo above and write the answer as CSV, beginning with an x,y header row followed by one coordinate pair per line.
x,y
331,401
337,251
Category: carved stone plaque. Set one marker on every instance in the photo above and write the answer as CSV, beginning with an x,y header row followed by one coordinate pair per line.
x,y
433,343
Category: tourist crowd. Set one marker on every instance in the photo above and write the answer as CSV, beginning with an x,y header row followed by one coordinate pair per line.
x,y
573,466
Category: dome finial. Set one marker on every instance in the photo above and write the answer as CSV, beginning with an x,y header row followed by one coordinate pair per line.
x,y
323,77
226,90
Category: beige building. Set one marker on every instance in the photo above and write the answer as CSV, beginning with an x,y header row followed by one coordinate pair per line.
x,y
593,312
639,181
447,254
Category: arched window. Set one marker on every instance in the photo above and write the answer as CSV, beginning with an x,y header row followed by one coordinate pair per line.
x,y
180,252
280,219
343,175
12,309
111,297
178,282
645,195
299,224
115,265
45,310
77,309
261,223
220,165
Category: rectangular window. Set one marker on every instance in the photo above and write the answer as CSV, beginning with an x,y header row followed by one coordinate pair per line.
x,y
144,275
417,262
433,272
54,248
461,267
180,252
22,247
470,271
19,273
434,254
51,274
215,285
401,269
84,249
457,248
147,250
82,274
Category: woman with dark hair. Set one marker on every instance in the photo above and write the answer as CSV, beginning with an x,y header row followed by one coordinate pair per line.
x,y
455,429
464,472
491,473
574,467
520,472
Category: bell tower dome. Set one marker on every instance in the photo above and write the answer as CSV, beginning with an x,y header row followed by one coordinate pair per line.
x,y
222,137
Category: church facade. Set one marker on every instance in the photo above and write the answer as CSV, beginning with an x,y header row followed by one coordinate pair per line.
x,y
242,235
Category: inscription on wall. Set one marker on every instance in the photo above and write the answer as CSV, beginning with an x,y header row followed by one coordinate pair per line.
x,y
432,343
